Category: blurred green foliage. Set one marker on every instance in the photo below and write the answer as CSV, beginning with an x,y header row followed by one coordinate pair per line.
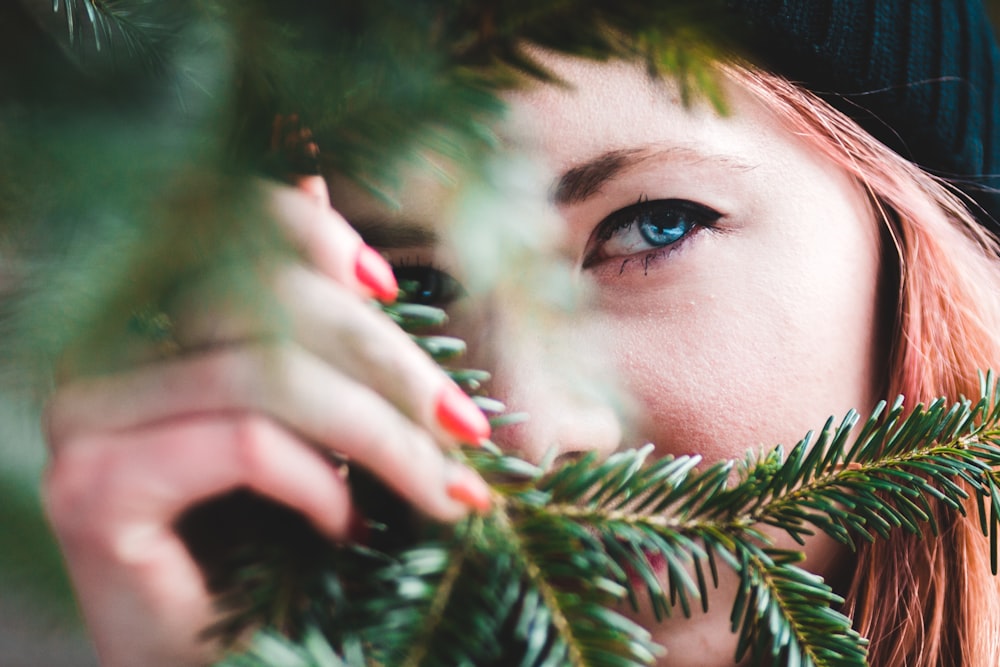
x,y
132,132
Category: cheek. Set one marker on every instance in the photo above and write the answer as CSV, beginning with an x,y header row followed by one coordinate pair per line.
x,y
743,353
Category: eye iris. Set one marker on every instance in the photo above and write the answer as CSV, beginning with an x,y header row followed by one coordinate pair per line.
x,y
658,234
645,226
428,286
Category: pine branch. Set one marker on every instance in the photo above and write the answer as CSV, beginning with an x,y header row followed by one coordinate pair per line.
x,y
583,630
780,611
785,614
540,580
120,32
942,453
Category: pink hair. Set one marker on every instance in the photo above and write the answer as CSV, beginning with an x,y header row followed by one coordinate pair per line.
x,y
923,600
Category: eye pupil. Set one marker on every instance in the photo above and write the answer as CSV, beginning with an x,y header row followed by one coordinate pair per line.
x,y
660,235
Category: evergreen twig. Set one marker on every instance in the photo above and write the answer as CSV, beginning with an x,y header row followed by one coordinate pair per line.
x,y
121,31
543,576
539,581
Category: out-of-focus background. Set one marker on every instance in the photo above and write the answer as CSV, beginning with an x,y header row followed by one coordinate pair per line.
x,y
39,626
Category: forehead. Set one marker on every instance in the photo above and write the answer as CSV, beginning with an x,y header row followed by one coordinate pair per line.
x,y
604,108
603,117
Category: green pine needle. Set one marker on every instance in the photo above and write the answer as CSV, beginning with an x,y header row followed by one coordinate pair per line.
x,y
119,32
541,579
131,183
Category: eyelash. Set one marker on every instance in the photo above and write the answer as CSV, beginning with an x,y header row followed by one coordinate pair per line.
x,y
659,216
426,283
431,285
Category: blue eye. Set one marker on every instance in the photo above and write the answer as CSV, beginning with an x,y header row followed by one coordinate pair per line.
x,y
647,226
427,285
659,235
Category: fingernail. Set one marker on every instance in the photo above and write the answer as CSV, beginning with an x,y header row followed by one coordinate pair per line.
x,y
375,273
315,187
468,488
457,414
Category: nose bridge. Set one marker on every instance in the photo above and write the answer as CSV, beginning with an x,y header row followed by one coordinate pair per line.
x,y
552,370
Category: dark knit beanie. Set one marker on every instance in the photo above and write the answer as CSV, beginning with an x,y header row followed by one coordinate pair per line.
x,y
922,76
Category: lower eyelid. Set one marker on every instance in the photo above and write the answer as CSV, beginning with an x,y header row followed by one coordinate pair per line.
x,y
645,260
623,221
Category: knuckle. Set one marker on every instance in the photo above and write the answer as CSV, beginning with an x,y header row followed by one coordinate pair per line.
x,y
61,491
215,372
249,376
75,494
231,373
253,435
275,367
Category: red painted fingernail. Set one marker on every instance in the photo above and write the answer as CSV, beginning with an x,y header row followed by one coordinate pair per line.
x,y
458,415
469,489
375,273
315,187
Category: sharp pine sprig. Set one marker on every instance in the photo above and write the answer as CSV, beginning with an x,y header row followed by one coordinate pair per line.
x,y
120,30
540,580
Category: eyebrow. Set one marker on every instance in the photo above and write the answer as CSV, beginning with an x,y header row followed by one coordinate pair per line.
x,y
585,180
574,186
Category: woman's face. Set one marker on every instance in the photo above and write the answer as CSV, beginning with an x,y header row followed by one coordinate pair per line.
x,y
732,285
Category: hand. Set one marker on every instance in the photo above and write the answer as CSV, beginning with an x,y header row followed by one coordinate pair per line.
x,y
244,409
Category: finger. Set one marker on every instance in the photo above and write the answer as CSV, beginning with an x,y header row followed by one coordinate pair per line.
x,y
148,611
331,244
351,336
150,475
315,187
292,386
300,154
113,500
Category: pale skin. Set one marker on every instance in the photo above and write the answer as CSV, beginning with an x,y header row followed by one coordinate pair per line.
x,y
762,306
